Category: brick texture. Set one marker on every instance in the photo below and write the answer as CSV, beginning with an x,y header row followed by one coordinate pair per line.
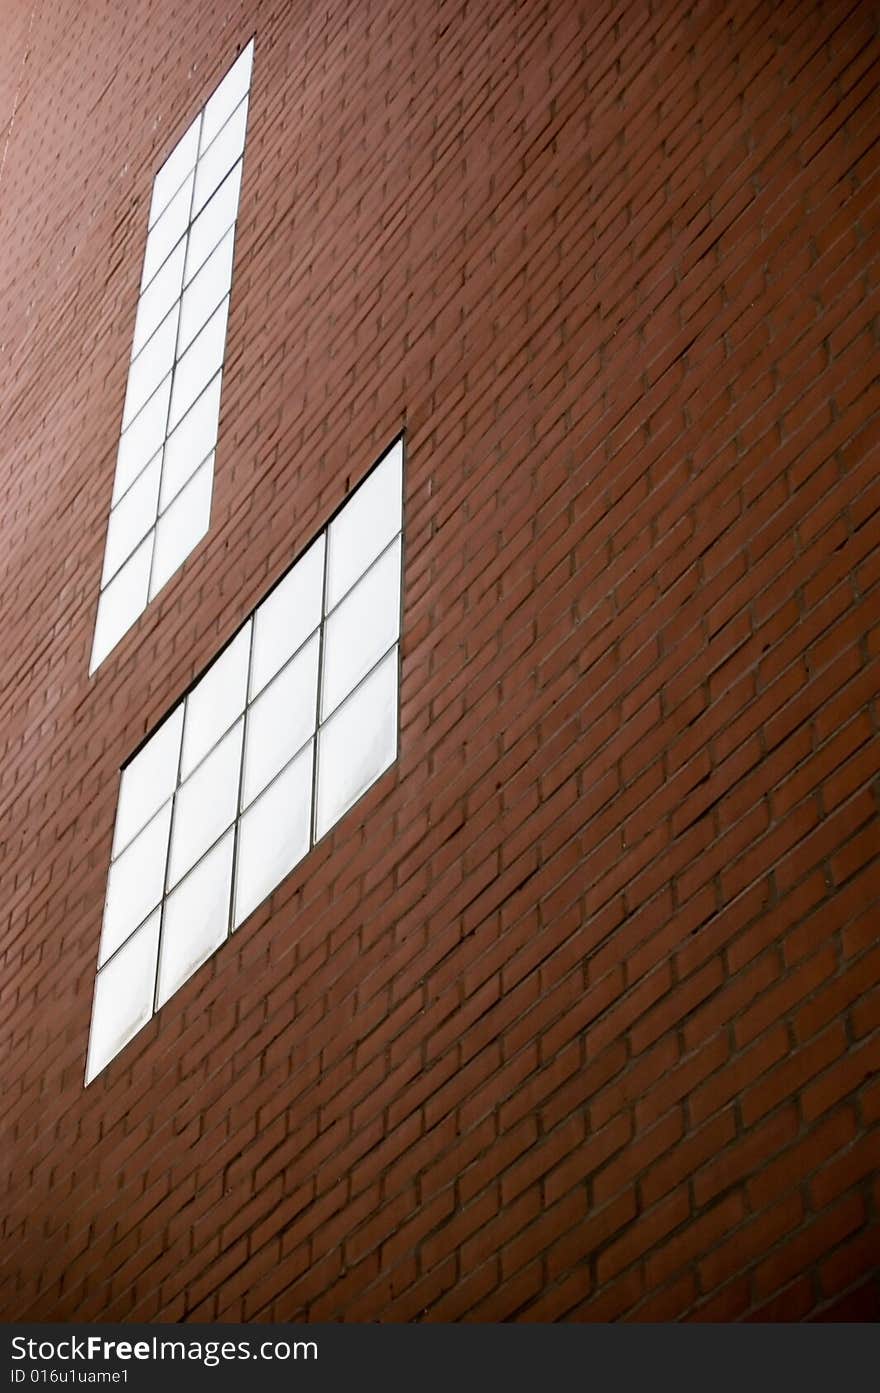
x,y
575,1015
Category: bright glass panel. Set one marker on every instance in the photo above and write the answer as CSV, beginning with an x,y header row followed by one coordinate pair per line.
x,y
281,720
174,170
361,629
214,219
216,700
123,997
357,744
199,364
205,291
190,442
216,161
274,835
142,439
153,363
132,518
182,526
136,882
167,231
122,601
196,919
160,295
287,616
205,805
366,525
227,95
148,780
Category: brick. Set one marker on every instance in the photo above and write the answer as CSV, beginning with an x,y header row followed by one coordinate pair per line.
x,y
801,1250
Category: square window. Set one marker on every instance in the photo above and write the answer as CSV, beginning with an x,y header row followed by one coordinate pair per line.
x,y
292,722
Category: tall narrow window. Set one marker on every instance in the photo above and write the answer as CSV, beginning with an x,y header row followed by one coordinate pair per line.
x,y
286,729
161,500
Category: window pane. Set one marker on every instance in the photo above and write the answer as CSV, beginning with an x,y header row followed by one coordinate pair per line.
x,y
153,363
174,170
148,780
142,439
361,629
205,291
366,525
198,365
217,160
167,231
216,701
122,601
131,519
286,617
158,297
192,440
182,526
196,919
123,997
281,720
205,805
212,222
274,835
227,95
357,744
136,882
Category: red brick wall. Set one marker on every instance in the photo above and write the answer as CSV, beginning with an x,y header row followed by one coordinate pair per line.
x,y
577,1014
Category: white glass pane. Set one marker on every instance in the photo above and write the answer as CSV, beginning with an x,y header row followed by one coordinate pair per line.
x,y
122,601
182,526
357,744
281,720
216,161
158,297
123,997
205,291
174,170
370,518
205,805
193,439
286,617
135,883
196,919
153,363
227,95
274,835
216,701
142,439
212,222
198,364
167,231
149,780
132,518
362,628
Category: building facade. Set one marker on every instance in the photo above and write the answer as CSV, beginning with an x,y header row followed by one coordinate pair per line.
x,y
563,1001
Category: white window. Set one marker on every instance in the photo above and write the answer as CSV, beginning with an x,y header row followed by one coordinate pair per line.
x,y
161,500
286,729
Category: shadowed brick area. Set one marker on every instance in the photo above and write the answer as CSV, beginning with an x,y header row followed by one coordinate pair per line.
x,y
576,1015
